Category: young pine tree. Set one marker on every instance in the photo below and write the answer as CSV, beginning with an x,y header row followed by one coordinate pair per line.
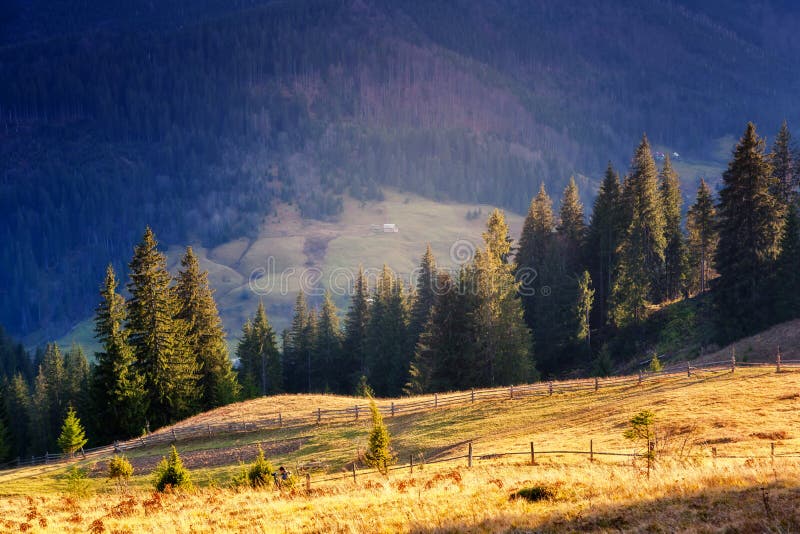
x,y
158,338
750,226
571,228
379,450
72,437
205,336
118,396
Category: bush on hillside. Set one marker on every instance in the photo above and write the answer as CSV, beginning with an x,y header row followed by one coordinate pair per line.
x,y
170,473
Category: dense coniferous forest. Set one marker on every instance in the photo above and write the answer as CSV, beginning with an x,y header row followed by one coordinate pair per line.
x,y
198,117
563,298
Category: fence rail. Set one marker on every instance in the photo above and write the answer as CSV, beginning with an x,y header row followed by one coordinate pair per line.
x,y
393,408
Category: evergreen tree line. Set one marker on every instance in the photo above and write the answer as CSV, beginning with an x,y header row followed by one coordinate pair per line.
x,y
572,287
456,330
163,357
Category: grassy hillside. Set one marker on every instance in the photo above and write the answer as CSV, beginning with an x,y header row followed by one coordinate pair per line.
x,y
740,415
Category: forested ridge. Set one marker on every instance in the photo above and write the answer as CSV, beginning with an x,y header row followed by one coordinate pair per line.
x,y
197,117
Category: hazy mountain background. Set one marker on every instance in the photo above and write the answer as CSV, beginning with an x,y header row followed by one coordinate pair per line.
x,y
205,118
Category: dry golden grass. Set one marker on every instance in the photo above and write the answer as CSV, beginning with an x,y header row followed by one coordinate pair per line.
x,y
739,415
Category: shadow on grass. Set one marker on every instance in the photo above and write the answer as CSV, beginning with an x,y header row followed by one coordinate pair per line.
x,y
753,509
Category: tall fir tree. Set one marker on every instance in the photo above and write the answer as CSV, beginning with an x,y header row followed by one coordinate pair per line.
x,y
675,258
18,405
583,310
640,264
55,377
76,378
159,338
786,278
538,270
571,228
701,223
444,355
387,349
118,398
784,172
424,295
503,352
260,366
605,233
750,225
328,347
308,348
355,338
205,336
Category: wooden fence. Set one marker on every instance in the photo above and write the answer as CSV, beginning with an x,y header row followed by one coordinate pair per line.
x,y
396,408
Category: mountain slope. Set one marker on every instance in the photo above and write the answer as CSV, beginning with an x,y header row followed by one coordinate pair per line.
x,y
202,123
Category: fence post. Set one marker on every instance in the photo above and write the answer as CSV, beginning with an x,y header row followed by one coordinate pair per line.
x,y
356,412
650,448
319,415
280,419
596,383
392,408
733,362
46,453
533,455
473,394
511,392
469,455
411,462
772,451
778,360
173,435
640,376
435,400
714,453
591,450
308,482
208,427
688,369
354,472
550,388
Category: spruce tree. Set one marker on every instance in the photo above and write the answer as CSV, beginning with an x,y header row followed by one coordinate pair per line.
x,y
786,278
571,228
205,336
159,338
356,322
538,269
503,343
308,349
295,348
784,177
118,397
260,366
424,296
387,349
701,223
605,233
39,430
76,378
328,346
55,378
750,225
73,436
17,403
444,355
583,310
379,449
675,260
640,264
